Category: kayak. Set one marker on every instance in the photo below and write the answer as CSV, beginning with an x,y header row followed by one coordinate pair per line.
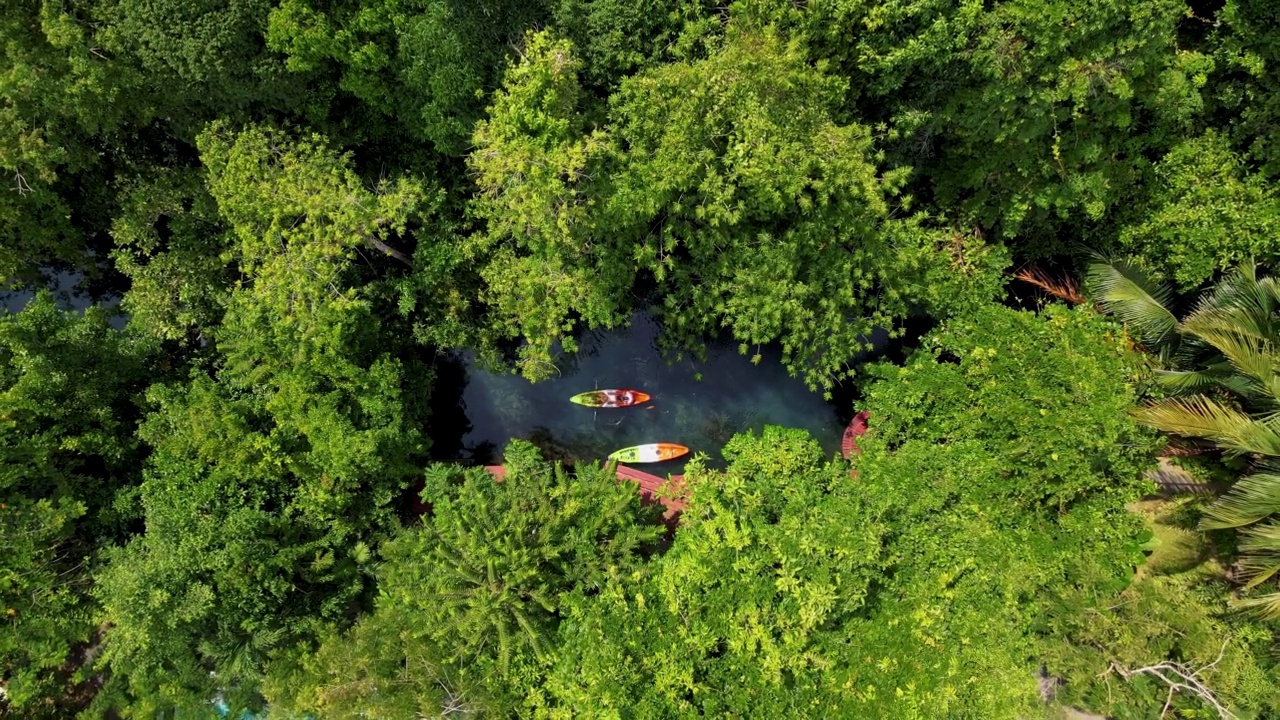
x,y
610,398
652,452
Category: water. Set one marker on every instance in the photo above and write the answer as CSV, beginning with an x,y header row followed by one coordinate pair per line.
x,y
699,404
67,294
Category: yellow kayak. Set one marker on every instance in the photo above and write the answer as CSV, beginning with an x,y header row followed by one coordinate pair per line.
x,y
610,398
649,453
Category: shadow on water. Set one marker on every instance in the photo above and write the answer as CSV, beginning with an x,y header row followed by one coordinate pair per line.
x,y
697,403
447,423
846,397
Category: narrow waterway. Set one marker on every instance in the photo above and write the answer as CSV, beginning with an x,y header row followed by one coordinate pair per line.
x,y
699,404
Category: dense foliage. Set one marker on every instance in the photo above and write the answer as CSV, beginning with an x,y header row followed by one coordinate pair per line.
x,y
1225,389
927,584
726,180
69,392
1174,612
299,205
471,600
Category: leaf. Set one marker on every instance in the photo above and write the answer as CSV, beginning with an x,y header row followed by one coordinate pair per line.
x,y
1200,416
1251,499
1141,304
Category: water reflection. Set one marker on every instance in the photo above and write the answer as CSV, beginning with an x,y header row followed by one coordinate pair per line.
x,y
69,293
700,404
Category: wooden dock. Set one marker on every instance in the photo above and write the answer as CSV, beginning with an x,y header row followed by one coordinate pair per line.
x,y
857,427
649,485
675,504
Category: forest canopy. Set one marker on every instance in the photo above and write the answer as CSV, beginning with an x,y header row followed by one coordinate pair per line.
x,y
225,486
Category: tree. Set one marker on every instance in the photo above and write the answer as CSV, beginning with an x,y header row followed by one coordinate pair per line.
x,y
306,200
993,479
42,590
618,39
425,63
1245,51
1068,386
1031,119
210,57
469,603
1116,654
725,180
60,97
272,478
1207,216
748,611
68,465
542,266
174,248
1225,387
1005,448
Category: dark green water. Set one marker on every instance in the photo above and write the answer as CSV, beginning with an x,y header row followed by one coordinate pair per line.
x,y
700,404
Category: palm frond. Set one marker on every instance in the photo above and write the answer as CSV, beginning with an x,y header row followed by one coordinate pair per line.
x,y
1256,437
1266,397
1064,289
1260,553
1203,417
1249,500
1270,286
1247,389
1231,340
1246,302
1261,540
1242,318
1141,304
1249,355
1266,606
1186,382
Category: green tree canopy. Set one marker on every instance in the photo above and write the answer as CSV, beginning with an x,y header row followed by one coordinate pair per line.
x,y
269,481
747,612
173,246
302,204
725,180
426,63
468,604
1018,113
916,588
1209,214
57,98
1247,51
69,385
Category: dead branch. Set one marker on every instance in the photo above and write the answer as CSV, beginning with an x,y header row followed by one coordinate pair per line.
x,y
1180,678
372,241
1065,289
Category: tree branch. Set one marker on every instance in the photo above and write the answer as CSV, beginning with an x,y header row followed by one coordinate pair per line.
x,y
375,243
1184,678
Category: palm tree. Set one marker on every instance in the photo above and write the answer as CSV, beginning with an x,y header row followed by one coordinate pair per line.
x,y
1224,381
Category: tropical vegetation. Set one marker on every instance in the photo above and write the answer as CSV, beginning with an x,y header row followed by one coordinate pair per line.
x,y
1225,389
226,485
